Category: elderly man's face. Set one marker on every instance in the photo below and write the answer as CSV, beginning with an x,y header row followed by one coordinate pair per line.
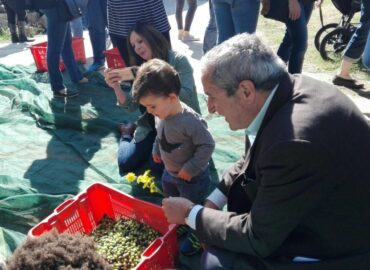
x,y
237,109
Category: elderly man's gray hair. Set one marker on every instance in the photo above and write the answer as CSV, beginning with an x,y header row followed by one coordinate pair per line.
x,y
243,57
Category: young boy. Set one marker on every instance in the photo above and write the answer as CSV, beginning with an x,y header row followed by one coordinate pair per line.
x,y
183,142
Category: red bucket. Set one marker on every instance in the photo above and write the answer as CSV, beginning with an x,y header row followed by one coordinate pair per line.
x,y
39,54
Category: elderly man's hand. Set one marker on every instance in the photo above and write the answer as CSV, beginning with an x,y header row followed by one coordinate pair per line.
x,y
176,209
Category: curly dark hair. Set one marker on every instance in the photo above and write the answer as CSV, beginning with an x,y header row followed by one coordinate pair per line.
x,y
54,251
156,77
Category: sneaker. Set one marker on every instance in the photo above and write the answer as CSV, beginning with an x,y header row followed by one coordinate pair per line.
x,y
95,67
189,38
182,230
191,245
83,80
65,94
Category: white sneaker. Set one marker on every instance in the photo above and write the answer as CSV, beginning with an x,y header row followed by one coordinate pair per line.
x,y
189,38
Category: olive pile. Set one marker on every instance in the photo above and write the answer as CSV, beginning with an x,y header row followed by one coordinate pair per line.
x,y
122,242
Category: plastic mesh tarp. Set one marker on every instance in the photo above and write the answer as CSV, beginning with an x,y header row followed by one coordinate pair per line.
x,y
50,150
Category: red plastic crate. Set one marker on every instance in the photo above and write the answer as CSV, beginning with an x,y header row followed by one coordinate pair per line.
x,y
114,59
82,214
39,54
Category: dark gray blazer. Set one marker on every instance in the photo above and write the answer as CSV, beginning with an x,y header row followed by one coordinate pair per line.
x,y
303,189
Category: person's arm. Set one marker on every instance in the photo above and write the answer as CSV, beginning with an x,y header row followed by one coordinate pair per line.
x,y
113,77
294,10
202,139
156,153
292,183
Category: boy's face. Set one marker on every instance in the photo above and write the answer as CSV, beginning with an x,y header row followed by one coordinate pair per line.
x,y
160,106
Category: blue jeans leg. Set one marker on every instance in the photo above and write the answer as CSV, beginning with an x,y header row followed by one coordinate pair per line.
x,y
366,56
132,155
76,27
195,190
357,43
96,17
59,43
235,16
294,45
210,35
245,15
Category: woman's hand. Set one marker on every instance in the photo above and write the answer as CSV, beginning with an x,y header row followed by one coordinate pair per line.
x,y
294,10
175,209
115,76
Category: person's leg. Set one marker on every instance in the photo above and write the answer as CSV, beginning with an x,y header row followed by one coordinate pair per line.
x,y
97,22
210,36
77,27
56,33
224,20
132,155
11,23
21,17
245,15
366,56
192,7
169,185
192,4
69,59
294,45
178,15
216,258
196,189
356,45
120,43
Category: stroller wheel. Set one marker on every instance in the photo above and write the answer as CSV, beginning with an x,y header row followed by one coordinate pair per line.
x,y
323,31
333,44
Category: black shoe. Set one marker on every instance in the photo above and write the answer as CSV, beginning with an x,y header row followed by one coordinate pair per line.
x,y
64,93
191,245
349,83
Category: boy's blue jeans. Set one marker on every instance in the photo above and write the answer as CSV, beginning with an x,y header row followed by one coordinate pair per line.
x,y
195,190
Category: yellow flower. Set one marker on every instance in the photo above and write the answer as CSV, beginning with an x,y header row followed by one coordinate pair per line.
x,y
153,188
130,177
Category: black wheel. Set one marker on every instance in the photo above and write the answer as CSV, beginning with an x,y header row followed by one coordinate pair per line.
x,y
323,31
333,44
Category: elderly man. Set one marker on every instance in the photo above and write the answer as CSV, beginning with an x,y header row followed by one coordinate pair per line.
x,y
300,197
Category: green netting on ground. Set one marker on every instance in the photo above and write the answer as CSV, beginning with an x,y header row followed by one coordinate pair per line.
x,y
50,150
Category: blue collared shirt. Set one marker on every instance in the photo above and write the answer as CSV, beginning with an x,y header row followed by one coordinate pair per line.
x,y
252,129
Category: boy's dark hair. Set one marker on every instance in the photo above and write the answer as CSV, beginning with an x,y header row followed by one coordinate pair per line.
x,y
156,40
57,251
156,77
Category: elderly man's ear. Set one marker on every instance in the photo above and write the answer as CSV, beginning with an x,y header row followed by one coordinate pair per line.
x,y
247,91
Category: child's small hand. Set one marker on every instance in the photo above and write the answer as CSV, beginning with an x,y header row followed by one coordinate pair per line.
x,y
184,175
157,159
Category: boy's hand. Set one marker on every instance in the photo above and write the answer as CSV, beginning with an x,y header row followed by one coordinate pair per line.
x,y
184,175
157,159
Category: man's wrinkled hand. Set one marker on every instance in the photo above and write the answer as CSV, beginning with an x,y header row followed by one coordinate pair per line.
x,y
175,209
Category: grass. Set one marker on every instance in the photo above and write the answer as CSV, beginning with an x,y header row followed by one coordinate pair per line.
x,y
274,31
